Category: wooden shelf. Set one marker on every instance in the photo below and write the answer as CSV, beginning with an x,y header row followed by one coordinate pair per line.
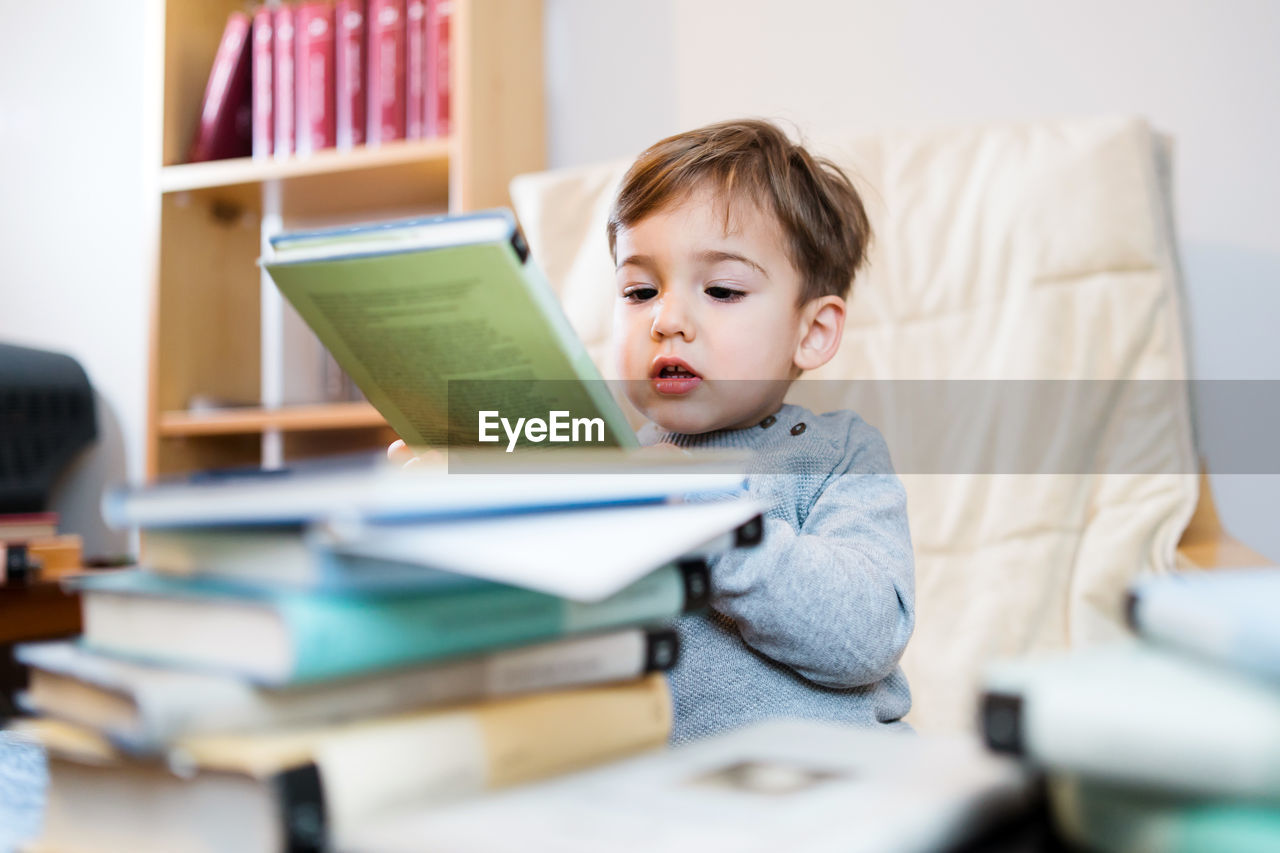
x,y
421,163
216,326
247,170
329,416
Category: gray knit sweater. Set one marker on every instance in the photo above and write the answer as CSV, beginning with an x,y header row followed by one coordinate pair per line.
x,y
812,622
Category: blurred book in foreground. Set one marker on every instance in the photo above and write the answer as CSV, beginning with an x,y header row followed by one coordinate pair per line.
x,y
1140,715
781,785
1230,615
1168,742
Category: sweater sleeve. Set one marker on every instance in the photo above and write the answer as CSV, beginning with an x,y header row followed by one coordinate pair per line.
x,y
828,593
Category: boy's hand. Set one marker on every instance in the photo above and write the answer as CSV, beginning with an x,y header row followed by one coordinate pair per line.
x,y
406,457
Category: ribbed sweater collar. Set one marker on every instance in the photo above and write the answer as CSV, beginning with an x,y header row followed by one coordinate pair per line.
x,y
752,437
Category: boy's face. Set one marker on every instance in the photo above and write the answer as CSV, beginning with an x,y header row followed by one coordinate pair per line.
x,y
698,305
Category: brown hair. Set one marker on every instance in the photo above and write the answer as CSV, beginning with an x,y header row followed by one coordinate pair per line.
x,y
824,224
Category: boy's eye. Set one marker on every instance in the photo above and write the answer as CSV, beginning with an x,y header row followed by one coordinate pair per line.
x,y
724,294
639,292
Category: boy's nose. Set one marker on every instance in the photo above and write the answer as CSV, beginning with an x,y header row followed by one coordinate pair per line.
x,y
671,319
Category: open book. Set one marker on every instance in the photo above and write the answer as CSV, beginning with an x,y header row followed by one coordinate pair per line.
x,y
442,319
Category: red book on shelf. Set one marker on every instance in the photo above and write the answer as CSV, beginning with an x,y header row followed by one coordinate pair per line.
x,y
436,107
415,81
283,82
349,54
386,70
19,527
225,128
314,77
264,130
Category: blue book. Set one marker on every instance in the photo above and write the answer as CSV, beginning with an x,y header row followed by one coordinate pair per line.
x,y
281,637
1230,616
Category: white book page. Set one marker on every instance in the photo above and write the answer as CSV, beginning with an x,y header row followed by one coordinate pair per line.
x,y
583,555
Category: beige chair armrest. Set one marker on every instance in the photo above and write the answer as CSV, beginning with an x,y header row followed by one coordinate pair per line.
x,y
1206,545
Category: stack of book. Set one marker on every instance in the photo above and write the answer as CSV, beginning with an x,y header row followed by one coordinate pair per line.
x,y
292,78
305,651
1171,742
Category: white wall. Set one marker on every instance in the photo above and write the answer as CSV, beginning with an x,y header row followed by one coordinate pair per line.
x,y
73,276
625,73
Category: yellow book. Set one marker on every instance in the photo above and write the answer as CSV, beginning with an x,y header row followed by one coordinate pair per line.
x,y
316,786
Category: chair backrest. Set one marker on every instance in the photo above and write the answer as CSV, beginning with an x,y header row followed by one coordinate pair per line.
x,y
1007,259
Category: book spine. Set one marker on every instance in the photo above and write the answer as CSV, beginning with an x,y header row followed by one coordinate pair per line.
x,y
749,534
314,71
492,745
263,59
351,67
618,432
225,95
436,93
283,82
386,77
300,802
401,631
415,84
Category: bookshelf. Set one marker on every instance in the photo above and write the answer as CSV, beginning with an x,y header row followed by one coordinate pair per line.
x,y
218,328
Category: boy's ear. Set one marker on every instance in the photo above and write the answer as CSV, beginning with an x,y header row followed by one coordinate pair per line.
x,y
821,328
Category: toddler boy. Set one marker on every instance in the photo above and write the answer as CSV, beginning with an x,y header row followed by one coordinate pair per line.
x,y
735,250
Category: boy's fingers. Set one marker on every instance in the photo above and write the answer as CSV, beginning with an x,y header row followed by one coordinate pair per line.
x,y
407,457
399,452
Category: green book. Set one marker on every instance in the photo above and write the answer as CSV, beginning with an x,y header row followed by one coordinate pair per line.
x,y
279,637
441,319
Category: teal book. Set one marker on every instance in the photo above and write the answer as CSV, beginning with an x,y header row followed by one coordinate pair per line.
x,y
1114,819
278,637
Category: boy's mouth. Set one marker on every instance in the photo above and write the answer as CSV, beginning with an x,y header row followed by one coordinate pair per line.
x,y
673,376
